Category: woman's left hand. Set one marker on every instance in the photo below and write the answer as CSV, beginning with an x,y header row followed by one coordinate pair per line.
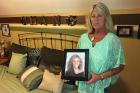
x,y
94,78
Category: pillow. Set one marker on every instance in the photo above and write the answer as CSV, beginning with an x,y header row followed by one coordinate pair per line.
x,y
51,57
17,63
67,88
55,69
31,77
33,56
51,82
19,49
52,68
16,48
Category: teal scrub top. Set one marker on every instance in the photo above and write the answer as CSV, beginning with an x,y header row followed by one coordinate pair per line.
x,y
105,55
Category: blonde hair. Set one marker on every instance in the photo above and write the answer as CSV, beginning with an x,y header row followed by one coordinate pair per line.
x,y
101,8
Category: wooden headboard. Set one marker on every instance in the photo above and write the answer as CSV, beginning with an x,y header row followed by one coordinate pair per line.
x,y
51,40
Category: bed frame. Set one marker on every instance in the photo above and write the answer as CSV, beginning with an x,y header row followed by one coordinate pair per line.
x,y
51,40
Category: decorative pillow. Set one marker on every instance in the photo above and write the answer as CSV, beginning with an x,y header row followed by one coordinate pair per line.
x,y
55,69
52,68
51,82
31,77
51,57
17,63
16,48
34,56
67,88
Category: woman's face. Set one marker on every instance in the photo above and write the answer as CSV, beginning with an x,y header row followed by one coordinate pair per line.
x,y
97,20
76,62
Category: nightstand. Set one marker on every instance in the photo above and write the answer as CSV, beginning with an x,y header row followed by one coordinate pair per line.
x,y
3,60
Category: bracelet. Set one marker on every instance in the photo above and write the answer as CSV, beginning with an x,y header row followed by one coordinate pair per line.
x,y
102,77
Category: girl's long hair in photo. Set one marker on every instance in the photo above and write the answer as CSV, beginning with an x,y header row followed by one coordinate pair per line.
x,y
70,63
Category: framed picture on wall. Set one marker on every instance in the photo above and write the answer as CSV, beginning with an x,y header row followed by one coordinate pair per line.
x,y
5,30
139,31
124,31
75,65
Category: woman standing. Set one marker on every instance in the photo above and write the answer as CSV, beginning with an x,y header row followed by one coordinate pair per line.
x,y
106,58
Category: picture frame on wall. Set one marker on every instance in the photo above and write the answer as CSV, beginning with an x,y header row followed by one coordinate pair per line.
x,y
124,31
75,65
5,30
138,31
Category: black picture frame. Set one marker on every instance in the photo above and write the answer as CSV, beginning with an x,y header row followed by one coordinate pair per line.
x,y
67,69
138,34
124,31
5,30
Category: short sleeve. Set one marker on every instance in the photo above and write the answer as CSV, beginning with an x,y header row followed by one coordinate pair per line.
x,y
82,42
118,52
78,44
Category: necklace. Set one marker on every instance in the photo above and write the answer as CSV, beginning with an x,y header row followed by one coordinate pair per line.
x,y
92,39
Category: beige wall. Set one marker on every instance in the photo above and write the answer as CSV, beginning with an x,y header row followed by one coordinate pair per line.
x,y
130,77
13,38
15,7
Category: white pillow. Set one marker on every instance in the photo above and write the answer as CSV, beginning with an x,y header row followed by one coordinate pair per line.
x,y
17,63
51,82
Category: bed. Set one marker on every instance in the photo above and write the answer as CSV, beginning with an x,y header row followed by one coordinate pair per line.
x,y
54,44
52,40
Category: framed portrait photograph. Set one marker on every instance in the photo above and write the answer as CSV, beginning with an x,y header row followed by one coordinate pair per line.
x,y
75,65
124,31
5,30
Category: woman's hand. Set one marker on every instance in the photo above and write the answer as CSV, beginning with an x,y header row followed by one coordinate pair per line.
x,y
94,78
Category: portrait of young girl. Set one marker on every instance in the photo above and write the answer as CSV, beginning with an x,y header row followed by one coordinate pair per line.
x,y
75,66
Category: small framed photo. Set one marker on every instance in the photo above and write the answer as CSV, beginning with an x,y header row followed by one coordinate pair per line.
x,y
124,31
138,32
5,30
75,65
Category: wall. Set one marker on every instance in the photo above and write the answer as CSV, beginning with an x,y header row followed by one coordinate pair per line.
x,y
130,77
13,38
21,7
